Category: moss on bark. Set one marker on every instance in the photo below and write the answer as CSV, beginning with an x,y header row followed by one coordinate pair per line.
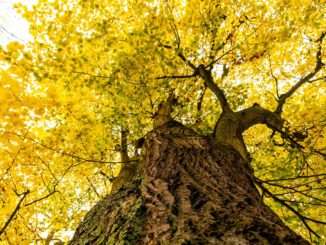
x,y
193,190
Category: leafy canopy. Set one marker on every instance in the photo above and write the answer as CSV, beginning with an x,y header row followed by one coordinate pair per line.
x,y
97,67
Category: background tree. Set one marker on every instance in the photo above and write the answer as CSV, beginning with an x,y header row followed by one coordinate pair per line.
x,y
96,69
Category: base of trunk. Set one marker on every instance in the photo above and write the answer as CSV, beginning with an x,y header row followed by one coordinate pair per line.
x,y
192,191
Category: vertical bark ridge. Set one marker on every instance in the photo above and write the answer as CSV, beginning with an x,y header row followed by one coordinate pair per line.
x,y
193,191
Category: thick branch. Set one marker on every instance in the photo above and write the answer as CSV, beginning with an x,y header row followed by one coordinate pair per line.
x,y
230,126
191,65
163,113
304,79
258,115
124,147
128,170
207,76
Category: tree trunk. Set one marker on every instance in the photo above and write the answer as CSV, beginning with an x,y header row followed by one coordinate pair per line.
x,y
192,190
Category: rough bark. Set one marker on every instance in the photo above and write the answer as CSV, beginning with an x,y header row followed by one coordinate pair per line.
x,y
191,190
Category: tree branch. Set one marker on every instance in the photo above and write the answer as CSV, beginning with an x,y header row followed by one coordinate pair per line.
x,y
14,212
41,198
163,113
207,76
110,178
295,143
220,57
293,190
66,153
258,115
294,178
273,76
173,25
91,75
124,157
304,79
317,79
173,77
181,56
300,216
201,98
93,187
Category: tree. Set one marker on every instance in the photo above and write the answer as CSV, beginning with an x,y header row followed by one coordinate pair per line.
x,y
224,98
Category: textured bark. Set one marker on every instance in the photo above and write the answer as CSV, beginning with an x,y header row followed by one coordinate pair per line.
x,y
192,190
231,125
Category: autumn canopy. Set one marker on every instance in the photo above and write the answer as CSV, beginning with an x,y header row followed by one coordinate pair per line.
x,y
97,68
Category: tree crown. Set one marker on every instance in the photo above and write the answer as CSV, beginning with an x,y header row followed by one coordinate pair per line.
x,y
96,68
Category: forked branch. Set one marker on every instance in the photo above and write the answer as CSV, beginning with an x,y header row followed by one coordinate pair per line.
x,y
319,65
206,75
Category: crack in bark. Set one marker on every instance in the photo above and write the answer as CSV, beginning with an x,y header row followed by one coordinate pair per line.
x,y
193,190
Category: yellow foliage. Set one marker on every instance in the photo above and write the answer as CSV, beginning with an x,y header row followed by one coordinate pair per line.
x,y
97,66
